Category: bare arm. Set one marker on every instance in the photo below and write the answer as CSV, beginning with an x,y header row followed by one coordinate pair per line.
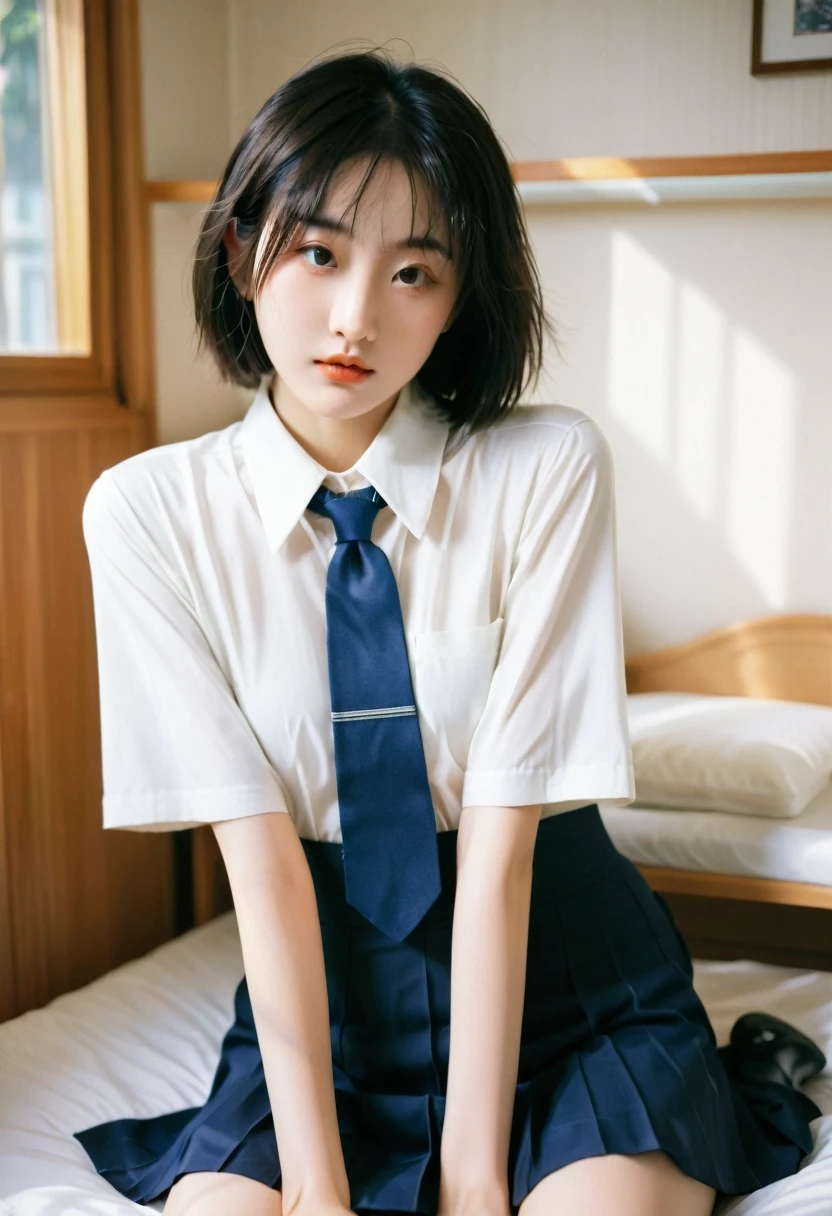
x,y
495,847
280,933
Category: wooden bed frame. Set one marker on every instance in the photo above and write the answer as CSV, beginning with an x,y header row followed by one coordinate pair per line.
x,y
786,658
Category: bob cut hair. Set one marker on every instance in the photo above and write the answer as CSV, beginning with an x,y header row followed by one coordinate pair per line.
x,y
366,105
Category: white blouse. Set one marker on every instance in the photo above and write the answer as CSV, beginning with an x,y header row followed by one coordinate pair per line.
x,y
209,577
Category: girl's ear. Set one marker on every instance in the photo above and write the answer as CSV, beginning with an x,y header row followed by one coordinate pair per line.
x,y
234,250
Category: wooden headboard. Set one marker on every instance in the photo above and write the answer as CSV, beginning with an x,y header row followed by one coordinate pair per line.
x,y
785,658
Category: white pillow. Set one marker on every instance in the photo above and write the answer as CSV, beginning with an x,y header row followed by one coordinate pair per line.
x,y
742,754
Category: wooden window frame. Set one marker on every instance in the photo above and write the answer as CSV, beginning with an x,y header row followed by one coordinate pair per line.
x,y
118,368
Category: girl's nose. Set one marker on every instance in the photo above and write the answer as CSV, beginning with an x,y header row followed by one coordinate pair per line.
x,y
354,313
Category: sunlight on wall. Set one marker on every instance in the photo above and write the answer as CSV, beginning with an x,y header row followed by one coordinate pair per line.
x,y
763,398
699,387
709,404
641,323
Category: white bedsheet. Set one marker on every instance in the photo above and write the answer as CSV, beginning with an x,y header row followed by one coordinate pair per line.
x,y
145,1039
794,850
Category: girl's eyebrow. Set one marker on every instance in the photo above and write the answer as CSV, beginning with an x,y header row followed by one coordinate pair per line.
x,y
413,242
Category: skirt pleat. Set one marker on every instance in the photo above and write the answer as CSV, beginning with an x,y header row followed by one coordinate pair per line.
x,y
617,1053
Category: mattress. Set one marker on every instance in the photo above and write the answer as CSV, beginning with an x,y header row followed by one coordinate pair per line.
x,y
144,1039
794,850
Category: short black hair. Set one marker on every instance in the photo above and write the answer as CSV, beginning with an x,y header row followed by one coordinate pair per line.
x,y
365,104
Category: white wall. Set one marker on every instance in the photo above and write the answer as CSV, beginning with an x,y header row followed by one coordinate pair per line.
x,y
187,130
698,338
697,335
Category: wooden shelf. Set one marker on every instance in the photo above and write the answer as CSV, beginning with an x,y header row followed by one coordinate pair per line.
x,y
604,179
160,191
753,177
609,168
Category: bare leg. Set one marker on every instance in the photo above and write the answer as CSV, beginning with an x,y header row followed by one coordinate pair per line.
x,y
645,1184
209,1194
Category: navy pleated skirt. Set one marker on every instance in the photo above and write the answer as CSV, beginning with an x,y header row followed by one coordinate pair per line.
x,y
617,1053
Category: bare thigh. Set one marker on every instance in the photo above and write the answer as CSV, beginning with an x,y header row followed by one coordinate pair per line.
x,y
645,1184
209,1194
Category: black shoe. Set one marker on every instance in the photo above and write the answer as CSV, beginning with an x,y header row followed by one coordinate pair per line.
x,y
764,1048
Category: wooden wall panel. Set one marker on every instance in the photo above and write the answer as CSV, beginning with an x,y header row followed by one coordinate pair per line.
x,y
7,992
75,900
211,888
80,900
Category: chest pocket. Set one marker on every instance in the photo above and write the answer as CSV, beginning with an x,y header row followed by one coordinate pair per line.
x,y
451,671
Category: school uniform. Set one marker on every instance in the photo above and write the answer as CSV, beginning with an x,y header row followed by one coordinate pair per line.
x,y
209,576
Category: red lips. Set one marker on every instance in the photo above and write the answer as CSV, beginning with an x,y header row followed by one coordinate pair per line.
x,y
347,361
340,373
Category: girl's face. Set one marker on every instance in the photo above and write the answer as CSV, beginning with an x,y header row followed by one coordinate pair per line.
x,y
366,296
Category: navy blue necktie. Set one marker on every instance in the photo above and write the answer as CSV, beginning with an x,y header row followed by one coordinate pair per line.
x,y
388,825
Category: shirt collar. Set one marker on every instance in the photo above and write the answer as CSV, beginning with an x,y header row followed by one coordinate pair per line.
x,y
403,462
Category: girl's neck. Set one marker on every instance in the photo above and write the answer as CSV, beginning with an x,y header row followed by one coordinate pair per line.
x,y
336,443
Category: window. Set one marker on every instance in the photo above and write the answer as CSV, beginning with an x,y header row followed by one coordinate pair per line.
x,y
44,255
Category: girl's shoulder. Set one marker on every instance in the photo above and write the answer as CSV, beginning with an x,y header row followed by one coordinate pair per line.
x,y
161,488
536,436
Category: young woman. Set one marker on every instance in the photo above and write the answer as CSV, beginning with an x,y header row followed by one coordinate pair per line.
x,y
459,998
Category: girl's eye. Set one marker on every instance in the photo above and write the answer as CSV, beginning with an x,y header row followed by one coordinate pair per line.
x,y
314,249
416,270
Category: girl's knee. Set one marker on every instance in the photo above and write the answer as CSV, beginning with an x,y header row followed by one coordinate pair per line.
x,y
212,1194
643,1184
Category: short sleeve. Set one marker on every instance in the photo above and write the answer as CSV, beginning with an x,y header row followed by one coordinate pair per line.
x,y
176,748
554,727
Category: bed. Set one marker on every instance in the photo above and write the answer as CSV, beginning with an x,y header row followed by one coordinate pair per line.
x,y
144,1039
787,862
738,887
794,852
741,886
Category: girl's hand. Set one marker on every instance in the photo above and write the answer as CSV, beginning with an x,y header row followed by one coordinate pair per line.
x,y
497,1207
314,1208
484,1201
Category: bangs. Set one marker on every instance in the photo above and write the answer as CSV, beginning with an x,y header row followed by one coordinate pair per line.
x,y
295,204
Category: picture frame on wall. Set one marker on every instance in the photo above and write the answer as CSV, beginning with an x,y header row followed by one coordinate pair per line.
x,y
791,36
